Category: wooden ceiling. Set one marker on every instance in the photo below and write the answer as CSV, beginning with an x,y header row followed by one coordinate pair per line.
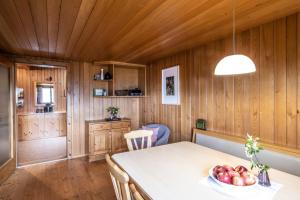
x,y
125,30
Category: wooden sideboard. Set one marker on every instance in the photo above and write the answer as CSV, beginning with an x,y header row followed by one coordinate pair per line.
x,y
106,137
33,126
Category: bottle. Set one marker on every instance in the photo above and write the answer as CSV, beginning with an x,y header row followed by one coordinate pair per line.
x,y
102,74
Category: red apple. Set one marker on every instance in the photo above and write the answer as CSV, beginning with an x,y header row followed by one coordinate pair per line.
x,y
216,170
240,169
224,177
228,168
238,181
219,169
233,173
249,179
245,173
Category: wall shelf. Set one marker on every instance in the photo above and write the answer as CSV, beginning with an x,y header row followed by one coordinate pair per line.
x,y
125,76
118,63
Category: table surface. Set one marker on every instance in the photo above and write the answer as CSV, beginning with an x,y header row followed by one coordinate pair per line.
x,y
175,171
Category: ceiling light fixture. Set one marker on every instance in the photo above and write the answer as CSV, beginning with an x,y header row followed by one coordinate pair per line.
x,y
236,63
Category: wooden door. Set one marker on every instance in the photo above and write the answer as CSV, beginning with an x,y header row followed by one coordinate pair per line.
x,y
7,117
101,142
118,141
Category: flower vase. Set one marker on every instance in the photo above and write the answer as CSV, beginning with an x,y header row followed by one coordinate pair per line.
x,y
263,178
113,117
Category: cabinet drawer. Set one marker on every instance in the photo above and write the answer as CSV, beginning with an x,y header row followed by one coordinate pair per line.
x,y
120,125
102,126
96,132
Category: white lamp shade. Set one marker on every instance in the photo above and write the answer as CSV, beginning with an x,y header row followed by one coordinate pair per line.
x,y
235,64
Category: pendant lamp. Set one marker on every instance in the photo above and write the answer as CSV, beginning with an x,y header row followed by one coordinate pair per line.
x,y
236,63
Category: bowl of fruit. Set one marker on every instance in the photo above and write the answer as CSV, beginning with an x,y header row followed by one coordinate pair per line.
x,y
228,176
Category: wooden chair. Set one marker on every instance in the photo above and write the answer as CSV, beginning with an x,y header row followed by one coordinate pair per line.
x,y
136,139
136,195
120,180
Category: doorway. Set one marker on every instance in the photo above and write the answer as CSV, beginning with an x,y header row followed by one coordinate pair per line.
x,y
41,102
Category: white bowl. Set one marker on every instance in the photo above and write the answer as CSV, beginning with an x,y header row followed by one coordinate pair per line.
x,y
210,172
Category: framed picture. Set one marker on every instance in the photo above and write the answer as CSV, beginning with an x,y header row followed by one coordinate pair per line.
x,y
170,86
20,97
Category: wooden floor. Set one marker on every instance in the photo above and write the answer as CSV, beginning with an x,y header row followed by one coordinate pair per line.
x,y
41,150
70,179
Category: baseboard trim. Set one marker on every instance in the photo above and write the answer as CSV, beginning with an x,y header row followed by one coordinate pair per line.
x,y
41,163
79,156
52,161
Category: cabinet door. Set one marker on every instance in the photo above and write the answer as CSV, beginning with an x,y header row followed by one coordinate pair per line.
x,y
41,122
118,141
62,125
23,128
101,142
34,127
20,128
51,125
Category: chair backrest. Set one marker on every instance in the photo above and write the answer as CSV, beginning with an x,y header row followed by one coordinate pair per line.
x,y
119,179
138,139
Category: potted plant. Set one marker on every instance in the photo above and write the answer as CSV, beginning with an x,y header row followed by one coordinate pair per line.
x,y
252,148
113,112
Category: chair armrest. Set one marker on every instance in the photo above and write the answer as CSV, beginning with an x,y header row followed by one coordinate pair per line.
x,y
163,140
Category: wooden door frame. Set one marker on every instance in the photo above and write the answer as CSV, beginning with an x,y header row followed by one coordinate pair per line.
x,y
42,62
9,166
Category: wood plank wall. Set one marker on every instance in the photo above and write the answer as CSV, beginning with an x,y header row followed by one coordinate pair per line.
x,y
265,103
86,107
26,77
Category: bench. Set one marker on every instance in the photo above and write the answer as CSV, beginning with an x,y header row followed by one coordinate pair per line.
x,y
276,160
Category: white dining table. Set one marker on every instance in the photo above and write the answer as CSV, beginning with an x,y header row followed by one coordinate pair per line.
x,y
176,171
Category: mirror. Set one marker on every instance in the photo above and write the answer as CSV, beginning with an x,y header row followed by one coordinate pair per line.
x,y
44,94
